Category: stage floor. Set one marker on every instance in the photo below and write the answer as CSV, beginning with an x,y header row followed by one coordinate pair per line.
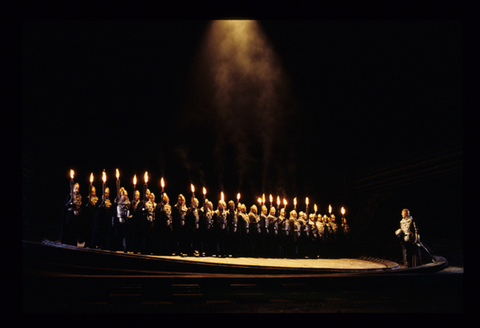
x,y
350,264
78,259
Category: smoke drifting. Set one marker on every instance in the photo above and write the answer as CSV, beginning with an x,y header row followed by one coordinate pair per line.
x,y
242,93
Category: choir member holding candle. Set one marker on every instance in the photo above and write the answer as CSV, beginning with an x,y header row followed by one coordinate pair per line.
x,y
121,222
103,217
89,213
253,231
71,216
271,233
134,227
192,220
282,230
179,211
291,233
206,229
301,235
231,229
220,228
243,229
312,235
164,223
262,238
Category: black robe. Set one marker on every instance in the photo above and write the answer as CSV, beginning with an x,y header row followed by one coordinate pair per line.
x,y
102,219
71,220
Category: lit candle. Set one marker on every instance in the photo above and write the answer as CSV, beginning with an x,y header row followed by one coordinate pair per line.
x,y
72,174
221,196
263,199
278,205
330,210
204,194
162,184
306,202
90,191
145,178
117,174
295,203
260,202
238,198
104,179
271,200
343,212
284,203
315,208
134,184
192,187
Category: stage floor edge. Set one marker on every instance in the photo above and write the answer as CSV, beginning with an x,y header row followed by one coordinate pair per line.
x,y
58,255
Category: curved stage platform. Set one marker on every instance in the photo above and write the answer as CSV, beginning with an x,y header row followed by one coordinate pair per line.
x,y
56,257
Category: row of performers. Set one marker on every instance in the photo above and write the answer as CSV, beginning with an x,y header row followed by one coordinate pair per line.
x,y
147,227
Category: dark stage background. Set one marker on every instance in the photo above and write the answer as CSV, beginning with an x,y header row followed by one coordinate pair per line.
x,y
371,119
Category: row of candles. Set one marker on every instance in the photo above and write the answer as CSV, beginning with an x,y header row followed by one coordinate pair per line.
x,y
261,200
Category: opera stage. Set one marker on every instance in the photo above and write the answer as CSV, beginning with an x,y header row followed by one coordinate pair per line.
x,y
67,279
54,256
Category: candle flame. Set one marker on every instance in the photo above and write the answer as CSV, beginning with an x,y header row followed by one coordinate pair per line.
x,y
221,196
329,209
263,198
238,196
284,202
134,180
271,198
162,183
104,177
91,177
204,191
192,187
295,201
117,174
145,177
306,201
72,174
259,200
315,207
343,210
278,200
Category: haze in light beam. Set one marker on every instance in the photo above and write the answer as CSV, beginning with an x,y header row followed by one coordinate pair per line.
x,y
241,81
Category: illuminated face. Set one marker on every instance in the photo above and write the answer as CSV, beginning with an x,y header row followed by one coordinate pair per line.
x,y
76,188
244,208
94,192
272,211
107,192
282,212
137,195
231,204
195,203
264,210
220,205
180,200
152,197
405,213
